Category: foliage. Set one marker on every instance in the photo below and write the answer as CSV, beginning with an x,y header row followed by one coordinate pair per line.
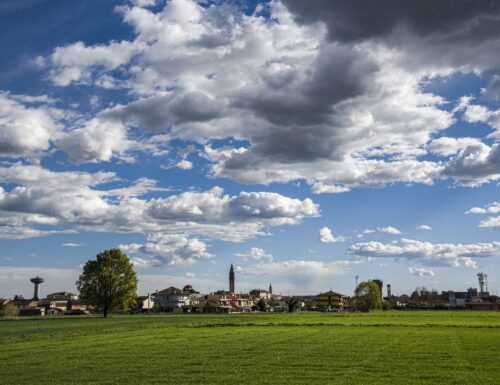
x,y
367,296
386,305
376,348
292,304
108,282
9,311
261,304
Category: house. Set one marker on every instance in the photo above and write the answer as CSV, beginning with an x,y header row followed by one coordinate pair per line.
x,y
258,293
213,303
61,296
32,311
171,298
330,300
241,303
143,304
54,311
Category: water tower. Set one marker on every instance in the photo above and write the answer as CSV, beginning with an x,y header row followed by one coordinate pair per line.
x,y
37,281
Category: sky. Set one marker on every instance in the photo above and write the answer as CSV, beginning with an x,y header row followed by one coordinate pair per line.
x,y
307,143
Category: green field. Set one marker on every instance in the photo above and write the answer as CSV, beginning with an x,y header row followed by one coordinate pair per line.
x,y
432,347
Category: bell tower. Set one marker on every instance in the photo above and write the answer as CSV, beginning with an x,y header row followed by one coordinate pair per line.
x,y
231,279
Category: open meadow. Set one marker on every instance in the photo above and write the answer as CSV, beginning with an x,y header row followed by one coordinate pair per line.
x,y
405,347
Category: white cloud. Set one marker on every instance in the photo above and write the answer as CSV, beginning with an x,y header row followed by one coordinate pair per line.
x,y
421,271
167,250
326,236
24,130
184,164
491,222
71,244
389,230
256,254
97,141
428,254
424,227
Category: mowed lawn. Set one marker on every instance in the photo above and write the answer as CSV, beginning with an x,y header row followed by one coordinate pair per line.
x,y
395,347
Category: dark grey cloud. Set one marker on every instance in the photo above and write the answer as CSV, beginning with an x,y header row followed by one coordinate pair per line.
x,y
361,19
161,112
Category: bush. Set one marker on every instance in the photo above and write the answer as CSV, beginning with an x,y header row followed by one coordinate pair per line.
x,y
386,305
9,311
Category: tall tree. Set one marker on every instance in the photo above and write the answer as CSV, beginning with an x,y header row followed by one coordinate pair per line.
x,y
108,282
367,296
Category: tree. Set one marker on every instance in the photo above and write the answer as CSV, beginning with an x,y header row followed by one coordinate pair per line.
x,y
261,304
9,310
108,282
292,304
367,296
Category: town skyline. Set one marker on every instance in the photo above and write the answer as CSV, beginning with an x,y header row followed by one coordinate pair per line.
x,y
194,135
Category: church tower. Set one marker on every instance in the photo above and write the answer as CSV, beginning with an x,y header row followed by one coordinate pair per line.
x,y
231,279
270,289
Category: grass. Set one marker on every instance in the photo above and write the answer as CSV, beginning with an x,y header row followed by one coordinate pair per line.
x,y
440,347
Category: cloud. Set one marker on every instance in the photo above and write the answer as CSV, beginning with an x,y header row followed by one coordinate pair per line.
x,y
428,254
421,271
424,227
475,164
200,77
256,254
491,222
71,244
167,250
184,165
97,141
325,236
24,130
355,21
389,230
386,230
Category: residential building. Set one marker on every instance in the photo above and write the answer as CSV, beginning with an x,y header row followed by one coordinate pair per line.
x,y
171,298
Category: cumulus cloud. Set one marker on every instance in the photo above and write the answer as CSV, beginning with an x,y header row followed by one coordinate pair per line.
x,y
97,141
256,254
424,227
24,130
492,208
326,236
75,201
385,230
421,271
167,250
200,76
429,254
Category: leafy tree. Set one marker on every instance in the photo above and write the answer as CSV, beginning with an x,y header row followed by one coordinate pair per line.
x,y
261,304
108,282
367,296
292,304
386,305
9,311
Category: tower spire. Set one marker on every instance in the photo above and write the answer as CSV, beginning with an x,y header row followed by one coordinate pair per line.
x,y
231,279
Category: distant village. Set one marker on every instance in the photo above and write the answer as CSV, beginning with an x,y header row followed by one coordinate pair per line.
x,y
188,300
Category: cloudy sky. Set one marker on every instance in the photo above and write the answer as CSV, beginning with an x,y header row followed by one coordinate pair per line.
x,y
306,142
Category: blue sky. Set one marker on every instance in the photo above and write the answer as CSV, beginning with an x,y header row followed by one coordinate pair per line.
x,y
306,145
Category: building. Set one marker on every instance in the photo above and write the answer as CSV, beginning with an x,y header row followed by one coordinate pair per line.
x,y
62,296
258,294
143,304
171,298
231,279
330,300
